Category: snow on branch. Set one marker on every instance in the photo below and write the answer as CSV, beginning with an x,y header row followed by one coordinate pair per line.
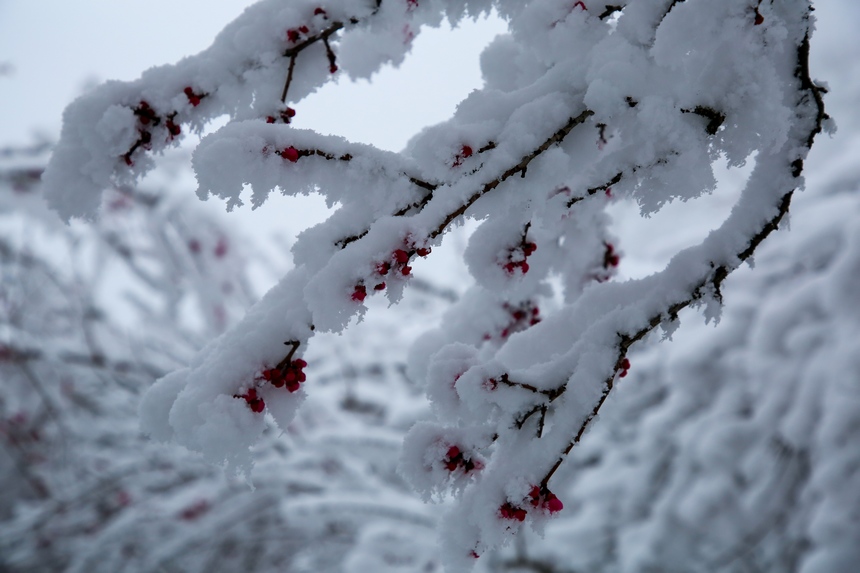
x,y
584,103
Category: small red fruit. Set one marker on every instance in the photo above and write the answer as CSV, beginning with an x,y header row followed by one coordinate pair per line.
x,y
405,271
173,128
401,256
193,98
319,11
332,68
466,151
759,19
553,504
360,293
380,286
304,29
293,35
424,251
290,154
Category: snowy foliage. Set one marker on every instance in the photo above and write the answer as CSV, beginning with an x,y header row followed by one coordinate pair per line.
x,y
584,104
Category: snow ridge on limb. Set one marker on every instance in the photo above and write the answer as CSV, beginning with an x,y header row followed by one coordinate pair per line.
x,y
584,103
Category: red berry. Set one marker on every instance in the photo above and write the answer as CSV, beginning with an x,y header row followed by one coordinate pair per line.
x,y
529,248
193,98
614,260
466,151
270,119
292,35
405,271
380,286
383,268
759,19
510,267
553,504
625,364
453,452
299,363
290,154
451,466
289,112
332,68
173,128
535,495
401,256
524,266
423,252
359,294
303,29
319,11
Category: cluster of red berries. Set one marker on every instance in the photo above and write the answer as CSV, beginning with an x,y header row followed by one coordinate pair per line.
x,y
465,153
146,115
523,316
545,499
398,263
509,511
455,459
625,367
515,262
148,118
296,34
254,402
193,98
290,377
538,497
285,115
290,153
610,257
